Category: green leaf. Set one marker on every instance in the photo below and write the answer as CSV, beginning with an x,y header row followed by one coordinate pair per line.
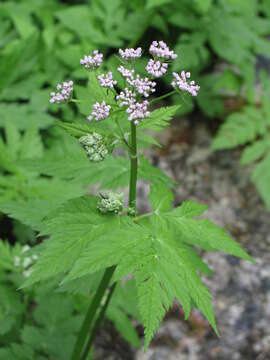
x,y
123,325
202,233
254,152
160,197
159,118
156,3
239,129
261,178
82,241
203,5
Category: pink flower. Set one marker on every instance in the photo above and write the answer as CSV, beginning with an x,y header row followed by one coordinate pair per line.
x,y
138,111
130,53
126,97
92,62
161,50
143,86
63,93
107,81
100,111
182,83
156,68
126,73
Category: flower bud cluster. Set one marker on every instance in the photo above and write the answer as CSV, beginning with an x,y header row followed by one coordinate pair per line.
x,y
110,202
138,111
95,146
107,80
181,82
100,111
156,68
161,50
130,53
63,93
92,62
25,262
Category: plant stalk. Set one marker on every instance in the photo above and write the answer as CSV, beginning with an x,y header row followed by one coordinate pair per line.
x,y
163,96
98,323
133,166
78,352
87,323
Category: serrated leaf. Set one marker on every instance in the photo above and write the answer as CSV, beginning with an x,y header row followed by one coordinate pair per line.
x,y
202,233
159,118
160,197
82,241
239,129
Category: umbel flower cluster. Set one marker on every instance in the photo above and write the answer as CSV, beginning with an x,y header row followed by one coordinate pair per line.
x,y
95,146
134,96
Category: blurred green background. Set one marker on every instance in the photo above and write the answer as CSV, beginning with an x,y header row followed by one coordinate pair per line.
x,y
224,43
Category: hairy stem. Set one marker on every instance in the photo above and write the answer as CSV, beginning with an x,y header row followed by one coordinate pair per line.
x,y
91,314
92,310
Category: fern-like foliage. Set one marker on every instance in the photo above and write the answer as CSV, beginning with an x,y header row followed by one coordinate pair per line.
x,y
251,128
157,249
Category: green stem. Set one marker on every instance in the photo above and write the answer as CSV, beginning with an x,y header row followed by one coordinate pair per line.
x,y
98,323
87,323
163,96
122,133
133,166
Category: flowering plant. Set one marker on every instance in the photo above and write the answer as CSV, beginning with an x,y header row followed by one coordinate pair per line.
x,y
104,234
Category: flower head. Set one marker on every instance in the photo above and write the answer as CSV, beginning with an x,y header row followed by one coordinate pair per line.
x,y
126,97
100,111
126,73
130,53
181,82
107,80
138,111
95,146
110,202
156,68
143,86
161,50
63,93
92,62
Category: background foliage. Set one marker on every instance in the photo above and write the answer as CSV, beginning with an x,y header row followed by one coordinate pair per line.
x,y
41,43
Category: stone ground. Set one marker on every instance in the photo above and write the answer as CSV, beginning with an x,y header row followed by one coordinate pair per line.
x,y
241,291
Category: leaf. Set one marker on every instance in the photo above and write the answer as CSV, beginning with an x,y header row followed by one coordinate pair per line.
x,y
203,5
221,30
239,129
261,178
254,152
153,174
19,61
23,118
82,241
159,118
123,325
156,3
160,197
194,53
202,233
